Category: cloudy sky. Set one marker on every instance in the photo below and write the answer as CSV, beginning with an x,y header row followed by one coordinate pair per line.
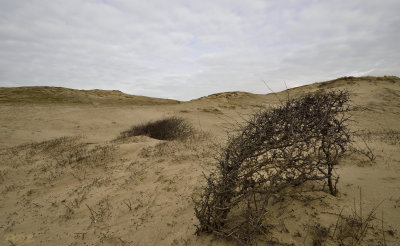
x,y
185,49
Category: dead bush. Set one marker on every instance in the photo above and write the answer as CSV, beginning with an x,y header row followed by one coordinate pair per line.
x,y
169,128
300,140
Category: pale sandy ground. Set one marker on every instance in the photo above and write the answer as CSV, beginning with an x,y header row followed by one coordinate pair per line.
x,y
90,190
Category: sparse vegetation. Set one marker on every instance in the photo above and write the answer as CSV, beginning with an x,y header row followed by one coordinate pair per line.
x,y
298,141
352,229
367,151
62,155
169,128
59,95
389,136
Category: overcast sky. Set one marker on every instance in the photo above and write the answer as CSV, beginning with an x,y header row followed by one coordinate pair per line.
x,y
188,49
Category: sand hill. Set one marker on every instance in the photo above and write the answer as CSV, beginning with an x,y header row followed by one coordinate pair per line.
x,y
65,178
59,95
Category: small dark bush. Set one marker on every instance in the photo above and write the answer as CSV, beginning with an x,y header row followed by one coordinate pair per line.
x,y
299,141
170,128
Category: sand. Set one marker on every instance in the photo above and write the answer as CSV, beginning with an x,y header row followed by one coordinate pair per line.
x,y
66,180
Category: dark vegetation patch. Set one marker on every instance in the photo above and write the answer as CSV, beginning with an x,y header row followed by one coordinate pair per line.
x,y
170,128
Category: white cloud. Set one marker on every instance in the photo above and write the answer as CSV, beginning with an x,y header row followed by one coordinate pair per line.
x,y
187,49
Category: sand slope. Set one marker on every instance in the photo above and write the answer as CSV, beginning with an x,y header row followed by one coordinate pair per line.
x,y
59,95
65,180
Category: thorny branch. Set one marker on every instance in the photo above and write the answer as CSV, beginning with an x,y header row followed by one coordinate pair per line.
x,y
298,141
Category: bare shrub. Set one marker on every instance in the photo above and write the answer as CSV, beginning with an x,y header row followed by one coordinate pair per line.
x,y
170,128
298,141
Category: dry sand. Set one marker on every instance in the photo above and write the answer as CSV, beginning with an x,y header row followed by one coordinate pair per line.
x,y
65,181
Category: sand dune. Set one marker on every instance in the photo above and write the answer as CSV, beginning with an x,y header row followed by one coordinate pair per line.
x,y
59,95
66,180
